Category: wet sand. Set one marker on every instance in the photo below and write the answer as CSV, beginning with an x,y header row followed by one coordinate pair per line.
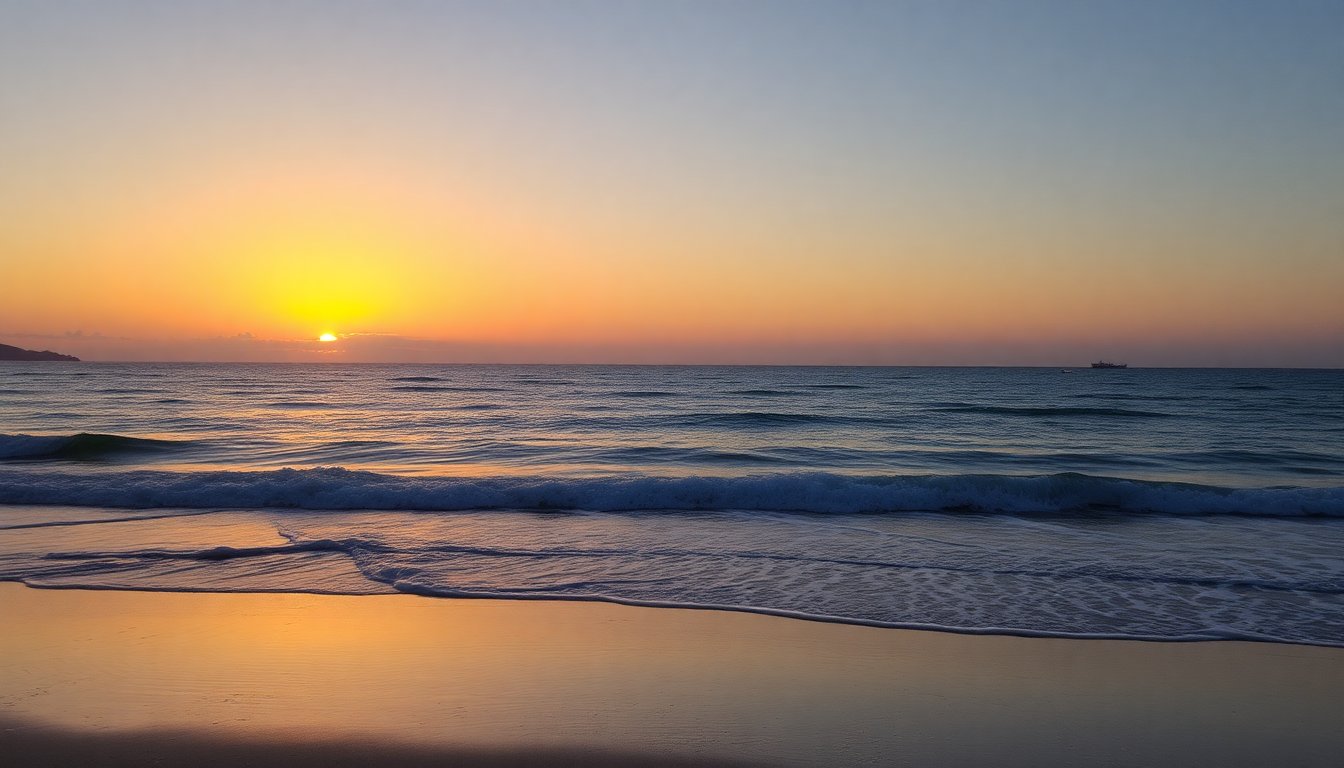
x,y
134,678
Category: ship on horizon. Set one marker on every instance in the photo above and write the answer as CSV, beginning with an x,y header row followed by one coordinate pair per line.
x,y
1104,364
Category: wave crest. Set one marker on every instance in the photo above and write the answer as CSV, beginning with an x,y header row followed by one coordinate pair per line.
x,y
1000,410
85,446
334,488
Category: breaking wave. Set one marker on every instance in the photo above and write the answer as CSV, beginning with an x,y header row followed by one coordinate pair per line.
x,y
334,488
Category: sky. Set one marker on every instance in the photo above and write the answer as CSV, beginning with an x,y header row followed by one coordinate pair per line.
x,y
942,182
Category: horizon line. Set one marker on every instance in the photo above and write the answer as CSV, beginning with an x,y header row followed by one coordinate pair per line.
x,y
1061,366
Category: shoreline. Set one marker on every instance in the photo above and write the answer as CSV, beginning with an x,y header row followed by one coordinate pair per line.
x,y
713,607
285,676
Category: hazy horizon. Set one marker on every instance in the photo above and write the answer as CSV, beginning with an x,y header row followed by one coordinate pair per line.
x,y
429,352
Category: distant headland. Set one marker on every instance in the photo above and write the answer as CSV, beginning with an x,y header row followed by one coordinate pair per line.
x,y
17,353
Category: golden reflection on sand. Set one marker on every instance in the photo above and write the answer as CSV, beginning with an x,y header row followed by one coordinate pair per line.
x,y
484,673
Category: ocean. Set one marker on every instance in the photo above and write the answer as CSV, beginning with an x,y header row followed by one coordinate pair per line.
x,y
1175,504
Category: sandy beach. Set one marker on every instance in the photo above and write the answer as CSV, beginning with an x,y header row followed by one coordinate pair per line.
x,y
268,679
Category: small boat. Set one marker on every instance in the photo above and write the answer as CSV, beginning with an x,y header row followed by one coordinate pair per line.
x,y
1104,364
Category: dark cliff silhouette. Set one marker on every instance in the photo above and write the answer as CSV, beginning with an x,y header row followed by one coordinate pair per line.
x,y
16,353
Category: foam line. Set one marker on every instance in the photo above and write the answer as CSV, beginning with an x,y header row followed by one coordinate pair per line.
x,y
332,488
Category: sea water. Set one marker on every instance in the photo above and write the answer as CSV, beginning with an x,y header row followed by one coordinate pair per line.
x,y
1141,503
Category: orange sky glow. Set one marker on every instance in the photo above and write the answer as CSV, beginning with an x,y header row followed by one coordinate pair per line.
x,y
359,184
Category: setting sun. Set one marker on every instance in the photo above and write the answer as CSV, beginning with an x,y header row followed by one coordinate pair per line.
x,y
327,337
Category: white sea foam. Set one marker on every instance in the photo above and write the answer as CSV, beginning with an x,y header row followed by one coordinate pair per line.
x,y
1140,576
